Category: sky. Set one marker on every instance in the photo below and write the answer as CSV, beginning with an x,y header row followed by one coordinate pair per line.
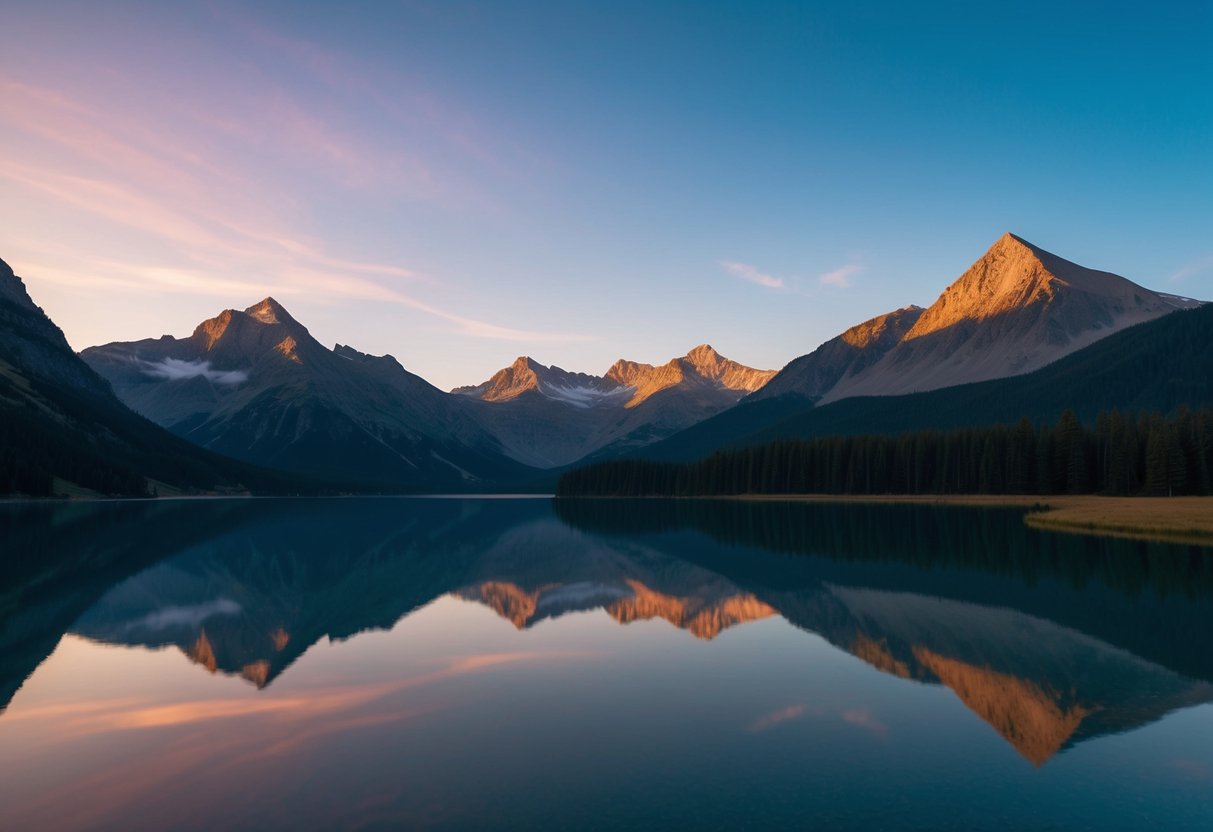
x,y
460,183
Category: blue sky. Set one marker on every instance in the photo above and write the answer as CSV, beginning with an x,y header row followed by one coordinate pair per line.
x,y
461,183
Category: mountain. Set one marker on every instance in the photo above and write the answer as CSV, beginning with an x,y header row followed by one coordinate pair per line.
x,y
526,375
62,430
257,386
1115,363
548,417
1013,311
701,367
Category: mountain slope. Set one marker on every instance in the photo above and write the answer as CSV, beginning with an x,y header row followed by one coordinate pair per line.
x,y
257,386
1015,310
812,376
62,430
548,417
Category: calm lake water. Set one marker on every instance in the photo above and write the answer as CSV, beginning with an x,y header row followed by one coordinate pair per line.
x,y
520,664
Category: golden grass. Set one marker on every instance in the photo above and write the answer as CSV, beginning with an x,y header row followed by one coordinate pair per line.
x,y
1151,518
1173,518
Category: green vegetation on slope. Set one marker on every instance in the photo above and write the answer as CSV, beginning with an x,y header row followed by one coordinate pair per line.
x,y
1122,454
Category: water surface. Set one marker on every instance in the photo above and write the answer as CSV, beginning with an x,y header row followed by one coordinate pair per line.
x,y
476,663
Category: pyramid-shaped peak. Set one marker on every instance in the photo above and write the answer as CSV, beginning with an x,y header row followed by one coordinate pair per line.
x,y
703,352
707,362
269,311
509,382
525,362
1012,245
1014,275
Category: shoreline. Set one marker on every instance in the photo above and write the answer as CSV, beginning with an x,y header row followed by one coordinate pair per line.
x,y
1163,519
1167,519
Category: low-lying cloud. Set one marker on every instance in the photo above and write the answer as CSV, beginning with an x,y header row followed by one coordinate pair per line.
x,y
173,369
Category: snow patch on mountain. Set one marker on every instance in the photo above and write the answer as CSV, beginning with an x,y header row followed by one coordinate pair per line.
x,y
585,396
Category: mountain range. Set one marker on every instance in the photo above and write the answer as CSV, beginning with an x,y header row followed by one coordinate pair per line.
x,y
548,417
255,386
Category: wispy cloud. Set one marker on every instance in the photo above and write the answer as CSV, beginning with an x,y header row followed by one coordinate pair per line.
x,y
752,274
1192,269
191,189
840,278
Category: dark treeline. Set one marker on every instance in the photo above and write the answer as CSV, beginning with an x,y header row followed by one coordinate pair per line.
x,y
1122,454
34,450
99,445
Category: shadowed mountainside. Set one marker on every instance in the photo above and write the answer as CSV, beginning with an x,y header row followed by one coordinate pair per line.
x,y
62,430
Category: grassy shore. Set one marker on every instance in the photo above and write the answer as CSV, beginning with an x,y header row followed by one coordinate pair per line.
x,y
1153,518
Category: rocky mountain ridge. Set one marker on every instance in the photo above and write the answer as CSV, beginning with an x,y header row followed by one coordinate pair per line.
x,y
256,385
634,381
548,417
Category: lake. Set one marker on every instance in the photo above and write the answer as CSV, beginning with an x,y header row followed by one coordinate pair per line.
x,y
526,664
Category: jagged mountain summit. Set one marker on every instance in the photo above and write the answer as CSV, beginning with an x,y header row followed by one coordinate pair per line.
x,y
527,375
256,385
633,381
701,366
548,417
1013,311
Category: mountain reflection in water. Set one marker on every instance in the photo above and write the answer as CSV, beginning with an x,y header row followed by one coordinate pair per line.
x,y
1050,639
